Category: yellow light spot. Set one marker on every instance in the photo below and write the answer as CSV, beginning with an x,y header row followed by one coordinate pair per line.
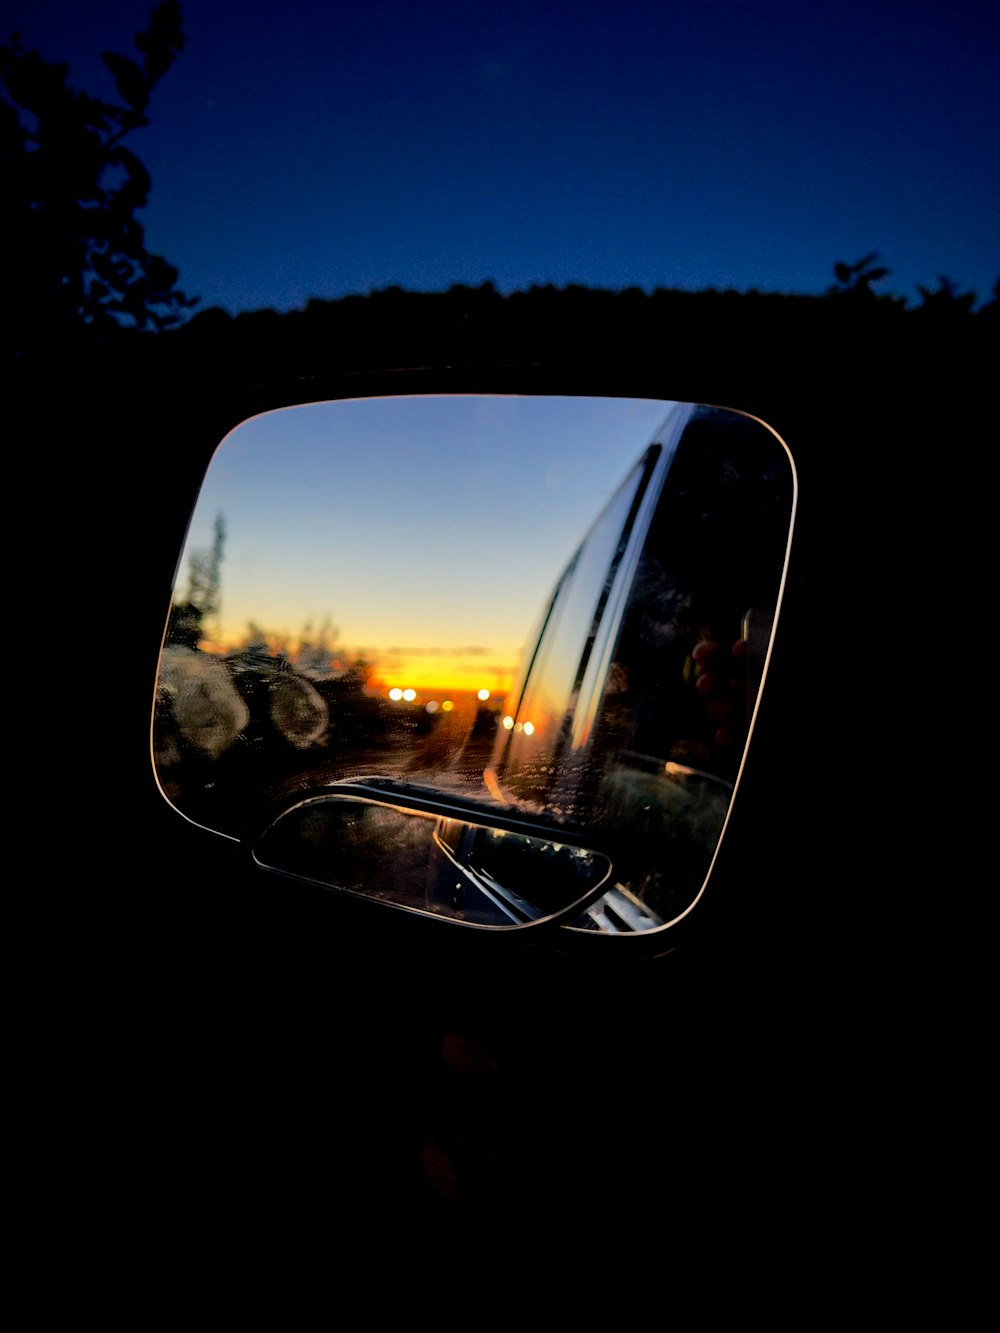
x,y
447,705
518,727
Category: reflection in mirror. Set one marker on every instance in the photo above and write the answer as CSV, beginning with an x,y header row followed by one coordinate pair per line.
x,y
559,608
442,866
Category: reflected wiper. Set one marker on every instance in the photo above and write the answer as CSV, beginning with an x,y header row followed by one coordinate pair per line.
x,y
517,909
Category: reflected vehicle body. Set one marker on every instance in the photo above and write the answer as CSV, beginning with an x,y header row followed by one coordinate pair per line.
x,y
645,677
595,798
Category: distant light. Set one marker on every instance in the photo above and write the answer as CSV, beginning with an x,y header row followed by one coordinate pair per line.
x,y
518,727
483,694
409,695
529,728
432,706
447,705
508,722
395,694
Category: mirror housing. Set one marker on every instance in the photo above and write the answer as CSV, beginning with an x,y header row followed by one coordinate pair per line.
x,y
615,760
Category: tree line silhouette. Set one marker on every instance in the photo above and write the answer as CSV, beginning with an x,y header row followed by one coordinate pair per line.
x,y
83,278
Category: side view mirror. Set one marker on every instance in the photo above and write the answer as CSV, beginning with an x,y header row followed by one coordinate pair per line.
x,y
351,687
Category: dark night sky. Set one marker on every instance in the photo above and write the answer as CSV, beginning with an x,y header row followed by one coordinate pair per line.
x,y
310,149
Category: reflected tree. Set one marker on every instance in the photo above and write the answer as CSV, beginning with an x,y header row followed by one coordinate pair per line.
x,y
205,573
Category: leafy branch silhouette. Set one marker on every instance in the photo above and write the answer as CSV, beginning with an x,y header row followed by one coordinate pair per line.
x,y
858,279
77,263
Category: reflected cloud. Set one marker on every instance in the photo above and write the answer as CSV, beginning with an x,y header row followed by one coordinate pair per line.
x,y
473,651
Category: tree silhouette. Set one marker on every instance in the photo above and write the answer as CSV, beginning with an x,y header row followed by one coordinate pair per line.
x,y
77,264
946,300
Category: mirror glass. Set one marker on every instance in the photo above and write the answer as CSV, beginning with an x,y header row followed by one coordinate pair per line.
x,y
479,875
557,608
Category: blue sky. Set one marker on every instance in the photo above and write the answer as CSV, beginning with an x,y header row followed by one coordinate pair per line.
x,y
315,150
480,503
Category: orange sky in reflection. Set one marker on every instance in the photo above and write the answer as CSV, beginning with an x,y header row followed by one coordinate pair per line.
x,y
441,673
434,672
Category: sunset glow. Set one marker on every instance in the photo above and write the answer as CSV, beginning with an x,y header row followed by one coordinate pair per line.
x,y
413,539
